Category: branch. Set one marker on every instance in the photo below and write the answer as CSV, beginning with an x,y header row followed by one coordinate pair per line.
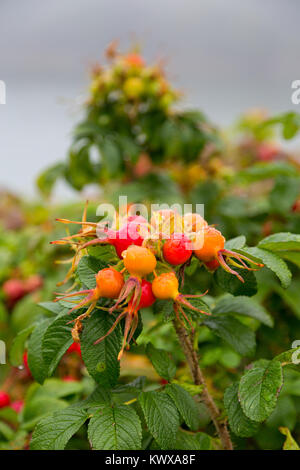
x,y
198,378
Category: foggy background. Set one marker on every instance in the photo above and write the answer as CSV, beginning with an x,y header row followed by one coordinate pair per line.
x,y
226,56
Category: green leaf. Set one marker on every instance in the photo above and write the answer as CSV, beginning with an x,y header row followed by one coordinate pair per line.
x,y
185,404
161,417
285,413
9,415
136,385
259,388
283,241
99,397
115,428
35,356
53,432
292,256
290,443
239,336
112,156
290,296
238,421
37,407
87,269
106,254
197,303
292,356
6,431
53,307
273,262
242,305
48,178
25,313
289,122
18,442
192,389
165,308
80,169
187,441
57,388
18,345
263,170
101,359
236,243
56,340
284,194
230,283
161,362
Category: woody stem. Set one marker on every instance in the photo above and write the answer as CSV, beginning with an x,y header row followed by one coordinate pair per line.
x,y
198,378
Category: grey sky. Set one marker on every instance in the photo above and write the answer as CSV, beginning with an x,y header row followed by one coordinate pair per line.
x,y
226,55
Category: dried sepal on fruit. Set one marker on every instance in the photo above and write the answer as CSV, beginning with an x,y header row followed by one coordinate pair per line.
x,y
138,262
87,230
166,287
130,313
133,231
109,283
212,248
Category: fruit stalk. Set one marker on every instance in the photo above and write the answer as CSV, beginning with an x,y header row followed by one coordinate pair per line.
x,y
198,378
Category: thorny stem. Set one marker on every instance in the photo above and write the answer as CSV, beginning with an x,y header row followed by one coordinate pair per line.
x,y
198,378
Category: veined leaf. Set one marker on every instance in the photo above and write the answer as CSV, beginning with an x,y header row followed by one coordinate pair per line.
x,y
273,262
161,362
238,421
35,356
115,428
259,388
56,340
99,398
105,253
101,359
236,243
53,432
188,441
239,336
53,307
243,305
283,241
161,417
185,404
87,269
231,284
17,347
165,307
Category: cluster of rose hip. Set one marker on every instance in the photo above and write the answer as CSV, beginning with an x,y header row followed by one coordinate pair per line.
x,y
152,257
128,81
